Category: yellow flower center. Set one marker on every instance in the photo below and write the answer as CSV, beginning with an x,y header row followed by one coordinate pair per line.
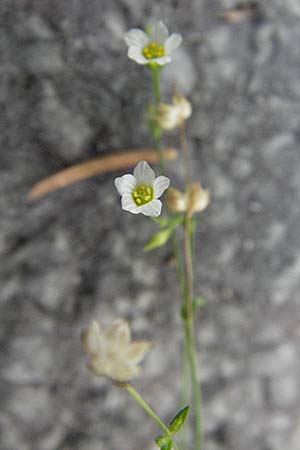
x,y
153,50
142,194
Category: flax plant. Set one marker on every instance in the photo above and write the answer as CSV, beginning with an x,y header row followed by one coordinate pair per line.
x,y
110,350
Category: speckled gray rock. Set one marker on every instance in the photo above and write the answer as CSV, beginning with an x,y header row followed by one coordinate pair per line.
x,y
69,93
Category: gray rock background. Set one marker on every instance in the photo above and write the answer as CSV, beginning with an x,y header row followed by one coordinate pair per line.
x,y
69,93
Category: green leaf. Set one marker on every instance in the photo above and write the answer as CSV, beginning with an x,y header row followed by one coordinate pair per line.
x,y
158,239
167,446
161,440
162,221
178,420
164,442
198,301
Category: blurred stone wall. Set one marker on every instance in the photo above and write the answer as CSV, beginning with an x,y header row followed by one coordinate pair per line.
x,y
69,93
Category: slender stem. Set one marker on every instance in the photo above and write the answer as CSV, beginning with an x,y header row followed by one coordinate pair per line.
x,y
179,266
156,83
158,131
147,408
185,147
190,335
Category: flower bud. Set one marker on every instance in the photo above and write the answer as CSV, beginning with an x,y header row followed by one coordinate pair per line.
x,y
169,116
195,199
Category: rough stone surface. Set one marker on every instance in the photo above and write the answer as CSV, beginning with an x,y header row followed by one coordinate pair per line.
x,y
69,93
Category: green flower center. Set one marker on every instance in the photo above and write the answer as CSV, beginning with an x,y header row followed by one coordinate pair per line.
x,y
142,194
153,50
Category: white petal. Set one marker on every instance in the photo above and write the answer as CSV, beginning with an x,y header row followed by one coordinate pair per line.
x,y
129,205
118,336
125,184
172,43
137,350
136,37
159,32
143,173
93,340
137,56
122,371
162,60
152,208
160,185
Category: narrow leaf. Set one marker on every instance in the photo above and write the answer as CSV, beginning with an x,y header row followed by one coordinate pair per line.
x,y
198,301
178,421
158,239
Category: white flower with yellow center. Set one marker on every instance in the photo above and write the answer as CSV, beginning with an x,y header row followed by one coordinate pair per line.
x,y
140,191
111,351
155,47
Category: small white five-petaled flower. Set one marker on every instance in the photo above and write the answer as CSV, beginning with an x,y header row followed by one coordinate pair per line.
x,y
155,47
111,351
140,191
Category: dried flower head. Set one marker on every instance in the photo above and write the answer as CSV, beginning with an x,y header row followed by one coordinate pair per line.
x,y
111,351
195,199
140,191
153,48
170,116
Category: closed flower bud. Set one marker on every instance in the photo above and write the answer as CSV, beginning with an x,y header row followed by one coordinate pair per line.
x,y
195,199
170,116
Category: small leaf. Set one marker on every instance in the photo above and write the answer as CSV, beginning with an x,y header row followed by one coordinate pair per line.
x,y
158,239
178,421
183,312
161,440
198,301
164,442
162,221
167,446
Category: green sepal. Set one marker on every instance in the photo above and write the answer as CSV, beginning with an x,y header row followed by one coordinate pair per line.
x,y
158,239
179,419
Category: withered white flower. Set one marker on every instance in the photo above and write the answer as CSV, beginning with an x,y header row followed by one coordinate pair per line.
x,y
140,191
155,47
195,199
169,116
111,351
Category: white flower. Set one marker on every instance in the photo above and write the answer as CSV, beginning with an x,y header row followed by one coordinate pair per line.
x,y
111,351
169,116
156,47
140,191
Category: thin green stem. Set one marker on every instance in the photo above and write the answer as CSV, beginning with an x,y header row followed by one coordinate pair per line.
x,y
190,335
156,83
157,133
147,408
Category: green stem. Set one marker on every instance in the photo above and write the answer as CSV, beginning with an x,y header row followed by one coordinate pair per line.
x,y
157,131
156,83
190,335
147,408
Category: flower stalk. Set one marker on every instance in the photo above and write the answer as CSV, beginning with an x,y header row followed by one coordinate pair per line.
x,y
189,327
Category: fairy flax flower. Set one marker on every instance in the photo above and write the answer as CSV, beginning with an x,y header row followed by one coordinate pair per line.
x,y
140,191
111,351
195,199
155,47
170,116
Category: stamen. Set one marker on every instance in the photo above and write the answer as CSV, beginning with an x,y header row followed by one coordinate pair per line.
x,y
153,50
142,194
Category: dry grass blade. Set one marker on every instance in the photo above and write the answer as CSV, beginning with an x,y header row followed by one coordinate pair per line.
x,y
243,11
103,164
